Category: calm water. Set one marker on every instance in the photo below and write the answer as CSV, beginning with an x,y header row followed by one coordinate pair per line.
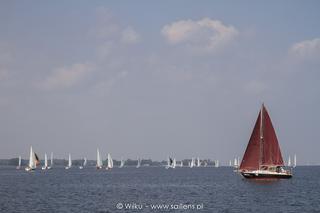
x,y
183,189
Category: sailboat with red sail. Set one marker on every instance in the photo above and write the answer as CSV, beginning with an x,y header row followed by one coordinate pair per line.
x,y
262,158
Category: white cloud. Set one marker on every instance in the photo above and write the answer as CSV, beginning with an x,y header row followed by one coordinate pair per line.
x,y
66,77
306,50
206,34
130,36
109,29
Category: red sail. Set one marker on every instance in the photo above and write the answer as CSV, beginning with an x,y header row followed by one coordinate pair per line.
x,y
250,160
271,154
263,147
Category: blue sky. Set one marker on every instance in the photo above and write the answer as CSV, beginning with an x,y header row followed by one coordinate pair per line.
x,y
152,79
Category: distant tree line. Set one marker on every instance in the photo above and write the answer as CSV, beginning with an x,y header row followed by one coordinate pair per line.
x,y
78,162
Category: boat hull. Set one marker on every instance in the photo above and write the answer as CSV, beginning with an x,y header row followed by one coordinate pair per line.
x,y
28,169
254,175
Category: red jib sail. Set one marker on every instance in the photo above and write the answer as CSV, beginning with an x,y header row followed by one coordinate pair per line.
x,y
263,147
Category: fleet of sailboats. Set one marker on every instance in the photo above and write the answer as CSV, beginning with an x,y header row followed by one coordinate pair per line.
x,y
262,157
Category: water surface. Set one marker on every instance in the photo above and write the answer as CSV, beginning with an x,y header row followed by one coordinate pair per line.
x,y
205,189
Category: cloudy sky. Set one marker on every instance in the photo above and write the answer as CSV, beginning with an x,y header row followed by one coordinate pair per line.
x,y
152,79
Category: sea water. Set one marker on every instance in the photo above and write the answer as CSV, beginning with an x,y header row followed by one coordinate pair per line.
x,y
155,189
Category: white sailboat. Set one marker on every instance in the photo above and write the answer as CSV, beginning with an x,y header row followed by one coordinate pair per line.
x,y
198,162
174,164
235,164
19,163
205,163
181,163
170,163
51,161
294,161
69,162
139,163
230,163
84,163
289,161
110,162
121,163
216,163
99,160
45,162
192,164
32,161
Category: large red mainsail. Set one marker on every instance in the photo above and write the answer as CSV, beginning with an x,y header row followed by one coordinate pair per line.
x,y
263,147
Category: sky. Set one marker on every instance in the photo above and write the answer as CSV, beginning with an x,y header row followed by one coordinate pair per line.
x,y
158,78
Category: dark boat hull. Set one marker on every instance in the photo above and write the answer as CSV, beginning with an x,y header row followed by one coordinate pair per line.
x,y
250,175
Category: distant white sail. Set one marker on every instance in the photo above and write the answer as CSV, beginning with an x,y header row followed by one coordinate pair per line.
x,y
99,160
192,164
121,163
19,163
32,161
171,163
84,163
45,162
216,163
51,161
110,162
174,163
289,161
198,162
181,163
139,163
230,163
235,163
69,162
295,160
168,163
205,163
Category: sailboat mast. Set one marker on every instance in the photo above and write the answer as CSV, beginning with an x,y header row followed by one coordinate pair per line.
x,y
51,159
31,163
45,160
261,136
